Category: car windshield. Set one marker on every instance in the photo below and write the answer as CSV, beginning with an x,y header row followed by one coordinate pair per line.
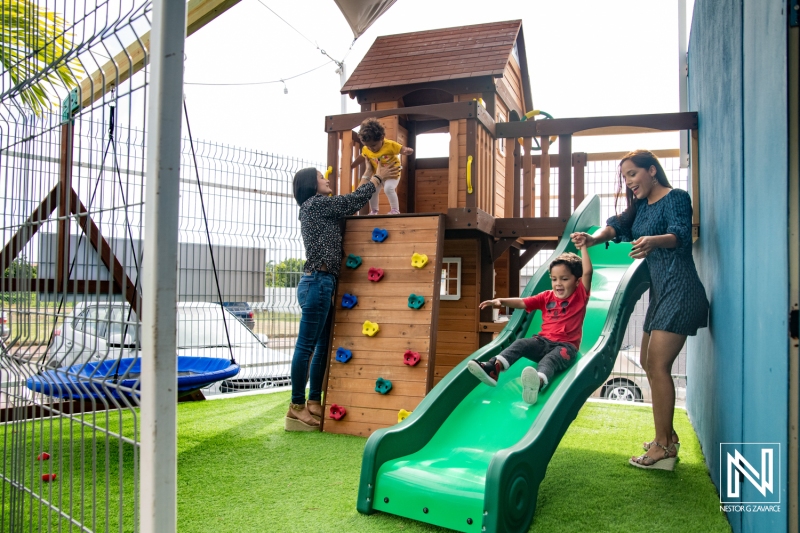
x,y
203,327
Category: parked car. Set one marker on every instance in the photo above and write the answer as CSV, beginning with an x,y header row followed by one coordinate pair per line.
x,y
242,311
5,326
627,382
96,332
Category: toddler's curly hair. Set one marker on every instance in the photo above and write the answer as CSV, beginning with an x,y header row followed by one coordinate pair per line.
x,y
571,261
371,130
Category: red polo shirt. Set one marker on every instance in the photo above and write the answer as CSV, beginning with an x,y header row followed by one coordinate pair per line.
x,y
562,320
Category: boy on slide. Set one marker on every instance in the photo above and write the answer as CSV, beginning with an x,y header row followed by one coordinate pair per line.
x,y
555,347
379,150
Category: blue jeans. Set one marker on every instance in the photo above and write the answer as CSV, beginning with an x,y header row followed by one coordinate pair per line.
x,y
314,293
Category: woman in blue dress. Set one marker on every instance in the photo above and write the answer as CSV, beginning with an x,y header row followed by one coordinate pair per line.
x,y
658,222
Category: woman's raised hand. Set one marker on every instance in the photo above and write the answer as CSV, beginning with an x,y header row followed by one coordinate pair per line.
x,y
387,172
582,239
490,303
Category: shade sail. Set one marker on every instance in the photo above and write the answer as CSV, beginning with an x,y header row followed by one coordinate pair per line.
x,y
360,14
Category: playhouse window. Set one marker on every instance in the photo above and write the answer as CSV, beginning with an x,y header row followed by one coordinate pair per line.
x,y
501,142
451,279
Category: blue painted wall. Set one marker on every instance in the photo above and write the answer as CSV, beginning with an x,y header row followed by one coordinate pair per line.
x,y
738,367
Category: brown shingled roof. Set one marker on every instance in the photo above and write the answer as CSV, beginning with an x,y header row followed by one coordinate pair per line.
x,y
435,55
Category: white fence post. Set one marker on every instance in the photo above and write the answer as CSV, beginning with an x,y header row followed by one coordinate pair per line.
x,y
158,466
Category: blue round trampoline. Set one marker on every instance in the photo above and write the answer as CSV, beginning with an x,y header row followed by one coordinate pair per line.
x,y
103,380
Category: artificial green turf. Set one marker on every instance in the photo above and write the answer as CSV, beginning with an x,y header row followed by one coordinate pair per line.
x,y
239,472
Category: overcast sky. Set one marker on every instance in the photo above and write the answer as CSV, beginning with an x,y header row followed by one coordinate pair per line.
x,y
586,58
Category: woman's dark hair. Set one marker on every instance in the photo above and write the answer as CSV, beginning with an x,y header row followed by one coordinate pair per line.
x,y
371,130
642,159
305,184
571,261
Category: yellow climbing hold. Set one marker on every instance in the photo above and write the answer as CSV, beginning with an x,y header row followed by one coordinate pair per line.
x,y
419,260
370,328
402,415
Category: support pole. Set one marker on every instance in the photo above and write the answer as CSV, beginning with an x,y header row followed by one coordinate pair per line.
x,y
158,465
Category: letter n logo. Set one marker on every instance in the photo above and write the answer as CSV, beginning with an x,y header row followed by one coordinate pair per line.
x,y
754,462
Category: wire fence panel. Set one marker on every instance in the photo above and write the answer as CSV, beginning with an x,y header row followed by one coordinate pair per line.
x,y
72,190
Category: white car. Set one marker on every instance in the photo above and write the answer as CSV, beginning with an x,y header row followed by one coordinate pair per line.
x,y
101,331
5,327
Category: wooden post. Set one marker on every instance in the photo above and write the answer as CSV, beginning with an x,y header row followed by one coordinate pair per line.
x,y
527,182
411,178
544,186
452,174
510,177
347,158
695,166
64,199
333,160
472,170
564,176
486,289
579,161
513,272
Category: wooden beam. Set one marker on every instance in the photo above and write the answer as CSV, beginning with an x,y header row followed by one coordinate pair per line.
x,y
333,161
432,162
529,227
485,286
579,161
26,231
131,60
452,171
454,87
564,175
528,194
509,179
107,256
467,218
532,250
449,111
411,178
347,159
544,185
432,126
501,246
569,126
472,169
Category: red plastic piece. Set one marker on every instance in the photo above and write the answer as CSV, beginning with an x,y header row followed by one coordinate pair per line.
x,y
47,478
44,456
375,274
410,358
337,412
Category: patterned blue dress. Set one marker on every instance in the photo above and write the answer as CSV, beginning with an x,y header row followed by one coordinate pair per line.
x,y
678,302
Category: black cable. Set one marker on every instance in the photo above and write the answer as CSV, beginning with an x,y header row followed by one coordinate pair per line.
x,y
208,234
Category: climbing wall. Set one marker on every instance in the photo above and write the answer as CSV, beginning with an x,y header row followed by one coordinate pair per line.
x,y
371,375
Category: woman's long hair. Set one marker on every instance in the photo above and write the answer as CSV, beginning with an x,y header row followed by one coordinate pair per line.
x,y
642,159
304,184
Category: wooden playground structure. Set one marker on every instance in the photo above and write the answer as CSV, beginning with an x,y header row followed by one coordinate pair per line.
x,y
472,213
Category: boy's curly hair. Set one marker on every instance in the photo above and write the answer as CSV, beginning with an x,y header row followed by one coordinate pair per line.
x,y
571,261
371,130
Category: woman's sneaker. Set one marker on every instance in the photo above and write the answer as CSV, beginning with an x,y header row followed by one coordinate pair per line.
x,y
486,372
530,385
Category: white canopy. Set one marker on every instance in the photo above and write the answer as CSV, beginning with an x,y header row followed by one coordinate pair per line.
x,y
360,14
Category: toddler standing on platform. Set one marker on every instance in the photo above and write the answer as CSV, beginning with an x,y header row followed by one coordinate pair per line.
x,y
377,149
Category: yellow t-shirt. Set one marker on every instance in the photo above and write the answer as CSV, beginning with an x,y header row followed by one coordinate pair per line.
x,y
388,153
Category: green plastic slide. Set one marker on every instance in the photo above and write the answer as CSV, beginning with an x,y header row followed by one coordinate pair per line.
x,y
471,457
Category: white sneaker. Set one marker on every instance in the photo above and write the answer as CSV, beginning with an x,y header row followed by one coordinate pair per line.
x,y
530,385
394,212
373,212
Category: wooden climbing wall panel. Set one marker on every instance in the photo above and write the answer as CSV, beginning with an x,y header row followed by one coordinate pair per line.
x,y
386,302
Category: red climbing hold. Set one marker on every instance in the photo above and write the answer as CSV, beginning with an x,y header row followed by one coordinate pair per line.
x,y
47,478
375,274
337,412
410,358
44,456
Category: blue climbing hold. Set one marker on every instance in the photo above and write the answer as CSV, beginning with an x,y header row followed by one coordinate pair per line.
x,y
379,235
349,300
415,301
343,355
383,385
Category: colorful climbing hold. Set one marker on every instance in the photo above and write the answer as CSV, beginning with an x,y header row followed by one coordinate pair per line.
x,y
419,260
415,301
402,415
410,358
44,456
353,261
383,385
343,355
349,300
375,274
337,412
379,235
370,328
47,478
